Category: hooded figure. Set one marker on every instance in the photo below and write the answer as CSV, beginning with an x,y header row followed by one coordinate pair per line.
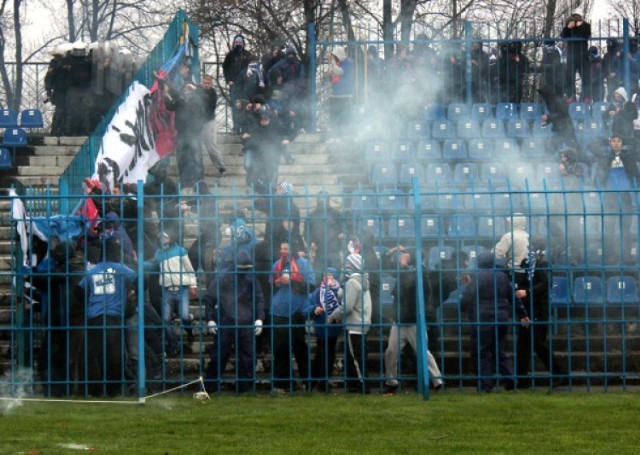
x,y
234,68
620,115
356,315
564,133
487,299
513,246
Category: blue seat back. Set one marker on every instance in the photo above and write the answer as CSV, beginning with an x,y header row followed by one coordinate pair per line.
x,y
15,137
5,158
505,111
559,294
622,290
31,118
8,118
588,290
454,150
429,150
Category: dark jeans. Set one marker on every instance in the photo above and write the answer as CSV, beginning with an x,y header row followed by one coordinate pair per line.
x,y
488,350
323,360
288,338
536,337
221,350
105,365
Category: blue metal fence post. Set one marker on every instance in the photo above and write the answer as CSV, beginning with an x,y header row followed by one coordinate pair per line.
x,y
468,43
141,353
421,323
313,95
625,61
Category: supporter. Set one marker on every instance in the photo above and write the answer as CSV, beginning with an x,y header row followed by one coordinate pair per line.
x,y
210,129
594,77
452,73
512,68
535,298
487,301
613,68
242,239
564,133
513,247
252,81
112,228
326,233
178,281
620,115
373,266
618,170
291,281
321,304
552,69
342,78
282,100
275,55
404,328
234,307
355,314
77,67
479,73
571,173
234,67
189,109
375,75
106,287
290,90
262,147
55,84
576,33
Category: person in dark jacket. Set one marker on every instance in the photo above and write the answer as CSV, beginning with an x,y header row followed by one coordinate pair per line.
x,y
404,329
234,306
512,68
576,33
321,304
564,133
535,296
620,115
325,231
189,109
234,68
488,301
55,84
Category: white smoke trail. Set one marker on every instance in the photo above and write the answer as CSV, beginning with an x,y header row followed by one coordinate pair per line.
x,y
15,386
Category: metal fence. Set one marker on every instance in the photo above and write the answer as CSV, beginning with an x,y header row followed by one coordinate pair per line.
x,y
57,331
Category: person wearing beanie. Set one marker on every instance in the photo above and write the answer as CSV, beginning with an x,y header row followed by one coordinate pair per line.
x,y
355,314
576,33
235,311
234,67
324,301
513,246
341,76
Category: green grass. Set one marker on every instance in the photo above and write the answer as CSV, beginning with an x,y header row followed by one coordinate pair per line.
x,y
451,422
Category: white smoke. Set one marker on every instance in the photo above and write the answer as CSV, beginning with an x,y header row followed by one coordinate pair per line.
x,y
14,386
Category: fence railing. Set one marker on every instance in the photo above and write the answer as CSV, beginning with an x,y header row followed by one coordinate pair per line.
x,y
78,341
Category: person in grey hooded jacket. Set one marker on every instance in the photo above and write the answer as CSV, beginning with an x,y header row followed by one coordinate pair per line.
x,y
356,315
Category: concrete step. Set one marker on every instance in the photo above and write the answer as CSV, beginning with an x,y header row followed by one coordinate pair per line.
x,y
50,160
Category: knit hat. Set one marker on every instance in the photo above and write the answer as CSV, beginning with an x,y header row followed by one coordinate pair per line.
x,y
340,53
578,12
243,260
354,262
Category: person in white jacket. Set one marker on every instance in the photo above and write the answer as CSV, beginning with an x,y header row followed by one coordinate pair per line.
x,y
513,247
356,315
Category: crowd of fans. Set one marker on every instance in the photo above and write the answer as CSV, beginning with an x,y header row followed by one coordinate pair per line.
x,y
323,268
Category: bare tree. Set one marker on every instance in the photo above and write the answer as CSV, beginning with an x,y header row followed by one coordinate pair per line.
x,y
12,89
629,9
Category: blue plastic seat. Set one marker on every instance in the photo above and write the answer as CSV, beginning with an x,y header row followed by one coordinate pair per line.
x,y
522,174
530,111
364,201
548,173
540,202
532,148
15,137
377,150
409,171
384,174
492,129
505,201
468,128
443,129
494,173
392,201
434,111
472,252
8,118
403,151
466,174
449,201
622,290
598,109
477,199
438,174
505,111
559,297
429,150
457,111
374,225
462,226
480,149
401,228
437,254
481,111
506,148
418,130
541,129
594,128
454,150
490,228
431,227
518,128
588,290
387,286
579,111
5,159
31,119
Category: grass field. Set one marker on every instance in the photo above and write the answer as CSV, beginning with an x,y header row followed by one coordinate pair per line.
x,y
451,422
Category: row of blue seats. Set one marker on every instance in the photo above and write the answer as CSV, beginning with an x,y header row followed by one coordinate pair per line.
x,y
29,119
491,129
594,290
506,111
462,174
